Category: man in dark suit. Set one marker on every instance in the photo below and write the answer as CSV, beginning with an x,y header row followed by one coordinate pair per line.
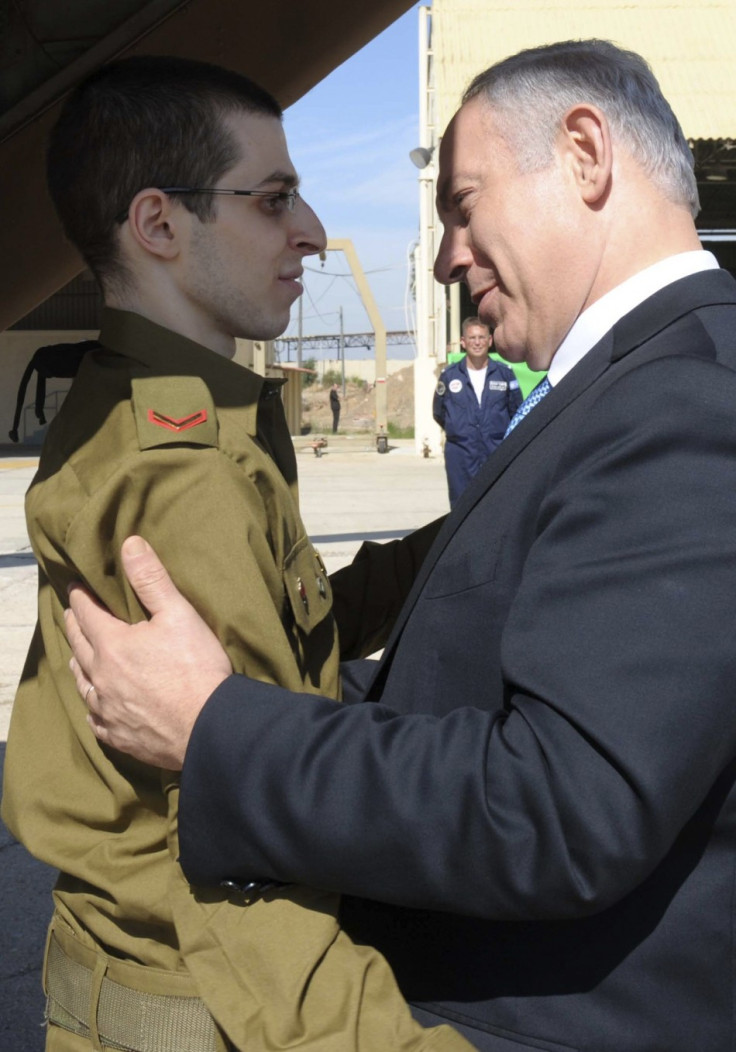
x,y
540,833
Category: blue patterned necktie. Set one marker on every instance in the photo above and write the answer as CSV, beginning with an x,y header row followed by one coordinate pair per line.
x,y
536,396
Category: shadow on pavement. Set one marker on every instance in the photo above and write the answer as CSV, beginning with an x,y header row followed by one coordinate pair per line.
x,y
14,559
20,451
25,909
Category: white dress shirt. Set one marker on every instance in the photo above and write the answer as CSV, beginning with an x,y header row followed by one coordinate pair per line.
x,y
602,315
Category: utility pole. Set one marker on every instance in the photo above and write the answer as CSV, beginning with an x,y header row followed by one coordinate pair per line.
x,y
299,334
342,353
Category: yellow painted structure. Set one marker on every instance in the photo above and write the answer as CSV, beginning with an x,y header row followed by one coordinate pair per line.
x,y
345,245
689,44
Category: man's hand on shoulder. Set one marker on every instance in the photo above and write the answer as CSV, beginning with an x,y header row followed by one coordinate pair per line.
x,y
144,684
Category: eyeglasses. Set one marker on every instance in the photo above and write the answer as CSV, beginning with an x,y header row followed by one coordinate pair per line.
x,y
288,198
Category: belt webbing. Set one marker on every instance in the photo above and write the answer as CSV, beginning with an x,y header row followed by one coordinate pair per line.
x,y
127,1019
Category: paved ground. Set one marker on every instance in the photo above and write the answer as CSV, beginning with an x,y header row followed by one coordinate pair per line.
x,y
17,579
349,494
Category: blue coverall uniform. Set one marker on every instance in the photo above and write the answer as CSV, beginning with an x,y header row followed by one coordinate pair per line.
x,y
473,430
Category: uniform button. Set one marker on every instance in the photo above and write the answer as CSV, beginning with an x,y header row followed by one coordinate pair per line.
x,y
252,891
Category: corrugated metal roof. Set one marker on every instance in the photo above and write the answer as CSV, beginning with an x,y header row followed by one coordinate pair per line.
x,y
690,47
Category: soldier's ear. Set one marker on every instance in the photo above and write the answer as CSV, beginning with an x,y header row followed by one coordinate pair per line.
x,y
154,224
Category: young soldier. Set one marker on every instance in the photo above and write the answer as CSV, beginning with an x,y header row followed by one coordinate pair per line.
x,y
174,181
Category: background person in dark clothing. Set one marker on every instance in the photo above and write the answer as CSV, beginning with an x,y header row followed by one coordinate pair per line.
x,y
335,407
474,401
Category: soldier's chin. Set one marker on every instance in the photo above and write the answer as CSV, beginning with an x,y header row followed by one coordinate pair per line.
x,y
268,329
280,325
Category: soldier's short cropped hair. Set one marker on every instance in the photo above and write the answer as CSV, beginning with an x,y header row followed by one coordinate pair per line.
x,y
140,122
530,92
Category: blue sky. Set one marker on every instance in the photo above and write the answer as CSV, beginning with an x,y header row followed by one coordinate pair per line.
x,y
350,139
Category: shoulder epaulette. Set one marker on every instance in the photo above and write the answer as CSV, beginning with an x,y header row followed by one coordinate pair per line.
x,y
173,410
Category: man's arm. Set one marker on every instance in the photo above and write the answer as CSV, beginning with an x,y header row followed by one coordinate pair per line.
x,y
369,593
618,717
206,513
438,401
110,653
159,733
209,516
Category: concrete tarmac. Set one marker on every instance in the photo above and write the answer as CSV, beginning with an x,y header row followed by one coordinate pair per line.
x,y
349,494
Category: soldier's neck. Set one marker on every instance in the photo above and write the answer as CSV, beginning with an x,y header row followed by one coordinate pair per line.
x,y
186,322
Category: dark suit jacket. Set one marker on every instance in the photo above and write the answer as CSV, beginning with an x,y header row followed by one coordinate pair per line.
x,y
545,791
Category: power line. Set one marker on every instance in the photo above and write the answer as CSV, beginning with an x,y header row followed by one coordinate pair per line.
x,y
314,305
330,341
349,274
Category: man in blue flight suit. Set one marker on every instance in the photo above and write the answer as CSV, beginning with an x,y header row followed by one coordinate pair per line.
x,y
474,401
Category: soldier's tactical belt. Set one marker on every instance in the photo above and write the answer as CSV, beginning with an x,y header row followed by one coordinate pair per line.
x,y
91,995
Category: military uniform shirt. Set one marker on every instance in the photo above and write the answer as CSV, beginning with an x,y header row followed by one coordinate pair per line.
x,y
162,437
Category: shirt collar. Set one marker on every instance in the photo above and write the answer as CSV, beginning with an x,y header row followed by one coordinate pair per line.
x,y
602,315
162,352
465,368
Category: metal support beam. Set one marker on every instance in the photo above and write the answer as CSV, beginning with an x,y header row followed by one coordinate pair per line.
x,y
345,245
330,341
431,300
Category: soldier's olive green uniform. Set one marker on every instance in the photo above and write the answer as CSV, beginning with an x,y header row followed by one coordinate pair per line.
x,y
162,437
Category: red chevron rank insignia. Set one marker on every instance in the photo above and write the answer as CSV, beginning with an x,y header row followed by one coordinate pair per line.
x,y
173,424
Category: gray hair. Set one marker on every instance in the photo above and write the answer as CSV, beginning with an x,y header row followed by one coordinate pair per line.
x,y
543,83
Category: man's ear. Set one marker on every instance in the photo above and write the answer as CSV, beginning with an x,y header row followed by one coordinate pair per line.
x,y
586,139
154,225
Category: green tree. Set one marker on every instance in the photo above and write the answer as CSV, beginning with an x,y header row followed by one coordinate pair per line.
x,y
331,376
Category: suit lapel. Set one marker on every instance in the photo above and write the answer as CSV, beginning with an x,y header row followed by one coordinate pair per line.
x,y
577,381
708,288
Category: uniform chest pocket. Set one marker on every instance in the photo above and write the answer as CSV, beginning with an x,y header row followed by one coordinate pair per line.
x,y
307,586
